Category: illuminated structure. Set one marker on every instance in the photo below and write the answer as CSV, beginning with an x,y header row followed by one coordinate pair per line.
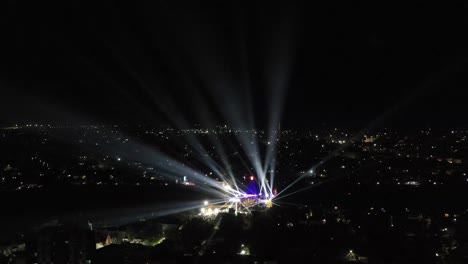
x,y
370,139
238,201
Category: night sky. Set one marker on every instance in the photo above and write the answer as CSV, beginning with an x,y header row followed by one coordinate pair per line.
x,y
150,62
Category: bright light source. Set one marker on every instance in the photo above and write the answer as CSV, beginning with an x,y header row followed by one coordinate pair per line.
x,y
227,187
234,200
118,159
350,251
205,202
242,252
252,178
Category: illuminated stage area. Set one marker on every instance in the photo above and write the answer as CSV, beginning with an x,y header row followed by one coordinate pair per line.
x,y
238,201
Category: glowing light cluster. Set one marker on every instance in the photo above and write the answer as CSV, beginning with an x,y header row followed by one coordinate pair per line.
x,y
210,211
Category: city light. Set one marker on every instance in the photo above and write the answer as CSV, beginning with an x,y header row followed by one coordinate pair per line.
x,y
176,133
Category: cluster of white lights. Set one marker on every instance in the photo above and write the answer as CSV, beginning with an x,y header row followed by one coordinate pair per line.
x,y
209,211
234,200
227,187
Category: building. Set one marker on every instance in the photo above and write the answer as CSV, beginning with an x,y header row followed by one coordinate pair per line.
x,y
61,245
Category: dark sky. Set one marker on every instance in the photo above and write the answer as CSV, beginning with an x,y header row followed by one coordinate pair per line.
x,y
156,61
